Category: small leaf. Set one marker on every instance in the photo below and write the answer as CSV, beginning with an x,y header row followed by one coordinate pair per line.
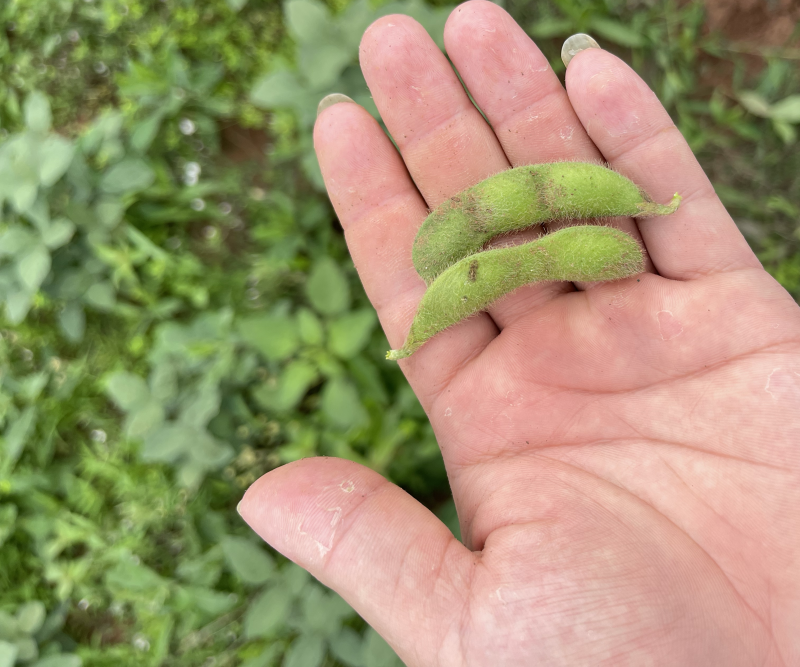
x,y
54,159
377,653
617,32
8,518
130,175
58,233
72,322
292,386
127,390
146,131
8,654
201,407
350,333
18,304
327,287
170,443
30,617
17,436
38,117
347,647
787,110
275,336
755,103
305,651
101,296
268,613
311,331
247,561
308,20
341,404
33,267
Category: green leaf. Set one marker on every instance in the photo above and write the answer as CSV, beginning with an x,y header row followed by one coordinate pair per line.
x,y
171,442
291,387
201,407
341,404
551,27
127,390
101,296
58,233
15,240
8,654
305,651
143,420
54,159
33,267
8,518
27,649
267,613
146,131
247,561
18,303
327,288
275,336
787,110
307,20
785,131
236,5
60,660
30,617
17,436
130,175
377,653
129,576
617,32
72,322
347,647
310,327
324,611
755,103
279,89
210,601
109,212
38,117
350,333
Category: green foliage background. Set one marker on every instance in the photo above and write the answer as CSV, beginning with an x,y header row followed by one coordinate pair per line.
x,y
178,320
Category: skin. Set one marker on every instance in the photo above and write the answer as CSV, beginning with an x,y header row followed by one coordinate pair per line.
x,y
521,197
624,457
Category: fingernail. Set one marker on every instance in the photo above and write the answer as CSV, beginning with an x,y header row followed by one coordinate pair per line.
x,y
330,100
574,45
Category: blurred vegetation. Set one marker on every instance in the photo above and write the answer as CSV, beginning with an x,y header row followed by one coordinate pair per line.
x,y
180,314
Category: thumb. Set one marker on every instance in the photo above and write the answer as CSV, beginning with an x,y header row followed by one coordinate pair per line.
x,y
393,561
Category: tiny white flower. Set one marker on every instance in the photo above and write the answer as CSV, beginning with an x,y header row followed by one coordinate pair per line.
x,y
187,127
98,435
197,204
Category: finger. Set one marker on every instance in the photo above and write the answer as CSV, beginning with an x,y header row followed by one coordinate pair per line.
x,y
396,564
380,210
513,83
636,135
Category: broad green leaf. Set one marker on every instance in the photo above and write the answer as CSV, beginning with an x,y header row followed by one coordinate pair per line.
x,y
785,131
267,613
101,296
143,420
58,233
27,650
377,653
18,303
278,90
33,267
327,288
755,103
347,646
211,601
247,561
201,407
169,443
17,436
292,385
8,626
127,390
145,132
72,321
30,617
16,240
61,660
311,331
275,336
308,20
341,404
38,117
322,63
305,651
787,110
551,27
130,175
349,334
324,611
54,159
109,212
128,576
617,32
8,654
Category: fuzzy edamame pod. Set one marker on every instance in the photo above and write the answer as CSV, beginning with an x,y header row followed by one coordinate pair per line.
x,y
523,197
585,252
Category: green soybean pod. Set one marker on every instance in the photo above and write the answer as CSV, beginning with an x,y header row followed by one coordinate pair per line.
x,y
584,252
522,197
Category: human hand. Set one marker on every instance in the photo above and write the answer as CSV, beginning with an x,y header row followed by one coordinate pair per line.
x,y
625,456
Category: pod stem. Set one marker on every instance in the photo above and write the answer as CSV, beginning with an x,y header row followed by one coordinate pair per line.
x,y
394,355
647,209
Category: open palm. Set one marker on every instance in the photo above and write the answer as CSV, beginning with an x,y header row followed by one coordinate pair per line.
x,y
625,456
